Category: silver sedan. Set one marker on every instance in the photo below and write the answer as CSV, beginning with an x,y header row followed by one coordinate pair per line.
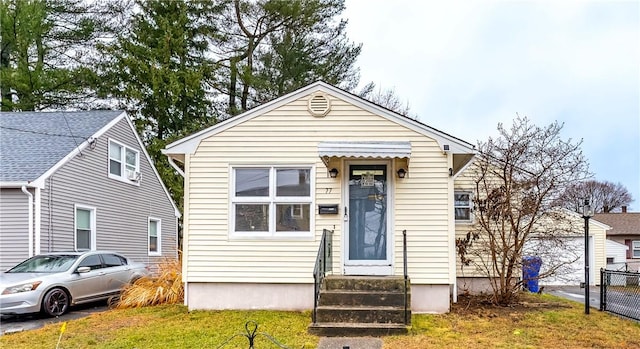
x,y
53,282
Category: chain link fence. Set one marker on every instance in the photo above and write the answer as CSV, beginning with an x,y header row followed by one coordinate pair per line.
x,y
620,293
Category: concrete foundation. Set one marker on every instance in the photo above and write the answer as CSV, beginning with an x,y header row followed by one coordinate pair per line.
x,y
432,299
249,296
473,285
252,296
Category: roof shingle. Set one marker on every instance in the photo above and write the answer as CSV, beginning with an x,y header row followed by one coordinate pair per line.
x,y
33,142
621,223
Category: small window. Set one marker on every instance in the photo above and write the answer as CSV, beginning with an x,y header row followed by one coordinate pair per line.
x,y
636,249
85,228
124,162
154,237
272,201
462,206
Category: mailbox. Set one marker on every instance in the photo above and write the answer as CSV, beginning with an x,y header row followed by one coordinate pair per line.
x,y
328,209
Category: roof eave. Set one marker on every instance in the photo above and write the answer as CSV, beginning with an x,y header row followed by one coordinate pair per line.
x,y
15,184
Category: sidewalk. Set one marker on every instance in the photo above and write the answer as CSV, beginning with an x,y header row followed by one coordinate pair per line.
x,y
350,343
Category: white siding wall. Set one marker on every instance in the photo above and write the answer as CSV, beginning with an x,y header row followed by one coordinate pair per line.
x,y
290,135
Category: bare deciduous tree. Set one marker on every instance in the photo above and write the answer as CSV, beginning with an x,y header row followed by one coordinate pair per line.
x,y
518,177
604,196
386,98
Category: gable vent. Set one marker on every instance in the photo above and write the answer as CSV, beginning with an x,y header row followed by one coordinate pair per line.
x,y
319,105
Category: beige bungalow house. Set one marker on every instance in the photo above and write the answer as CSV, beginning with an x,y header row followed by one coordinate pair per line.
x,y
320,179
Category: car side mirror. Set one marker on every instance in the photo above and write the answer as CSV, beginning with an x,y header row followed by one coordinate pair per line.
x,y
81,270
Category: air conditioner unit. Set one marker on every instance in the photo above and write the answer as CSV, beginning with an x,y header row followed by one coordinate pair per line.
x,y
133,176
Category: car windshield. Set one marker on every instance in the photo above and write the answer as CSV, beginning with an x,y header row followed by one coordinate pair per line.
x,y
45,264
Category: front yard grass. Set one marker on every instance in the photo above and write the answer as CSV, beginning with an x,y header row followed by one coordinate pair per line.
x,y
544,322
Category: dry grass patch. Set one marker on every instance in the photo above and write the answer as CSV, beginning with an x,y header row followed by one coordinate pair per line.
x,y
163,288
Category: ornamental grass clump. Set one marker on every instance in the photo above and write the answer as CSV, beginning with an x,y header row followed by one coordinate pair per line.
x,y
164,287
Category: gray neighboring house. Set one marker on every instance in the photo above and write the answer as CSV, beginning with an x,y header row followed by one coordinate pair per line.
x,y
78,181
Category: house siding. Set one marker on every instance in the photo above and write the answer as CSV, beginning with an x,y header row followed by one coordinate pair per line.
x,y
290,135
122,209
14,227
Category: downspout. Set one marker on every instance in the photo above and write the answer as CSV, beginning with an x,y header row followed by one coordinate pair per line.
x,y
38,212
30,229
452,229
50,209
186,283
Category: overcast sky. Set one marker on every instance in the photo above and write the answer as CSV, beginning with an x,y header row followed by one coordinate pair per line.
x,y
466,66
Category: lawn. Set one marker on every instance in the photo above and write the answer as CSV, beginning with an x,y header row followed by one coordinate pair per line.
x,y
540,322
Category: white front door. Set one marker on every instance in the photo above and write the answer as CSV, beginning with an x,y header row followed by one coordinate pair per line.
x,y
367,237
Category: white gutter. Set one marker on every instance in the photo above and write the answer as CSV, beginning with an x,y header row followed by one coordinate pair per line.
x,y
175,166
30,196
38,213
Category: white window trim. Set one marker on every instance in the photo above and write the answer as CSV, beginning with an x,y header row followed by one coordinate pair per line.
x,y
123,177
159,237
92,226
271,200
463,221
635,246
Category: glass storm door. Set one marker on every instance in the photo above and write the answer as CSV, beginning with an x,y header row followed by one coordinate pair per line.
x,y
367,243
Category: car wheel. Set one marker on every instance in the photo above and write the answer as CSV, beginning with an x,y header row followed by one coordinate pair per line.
x,y
55,302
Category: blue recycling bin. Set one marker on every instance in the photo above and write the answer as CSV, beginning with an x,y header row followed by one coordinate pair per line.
x,y
530,272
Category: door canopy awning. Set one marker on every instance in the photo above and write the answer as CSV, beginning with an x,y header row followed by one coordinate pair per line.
x,y
364,149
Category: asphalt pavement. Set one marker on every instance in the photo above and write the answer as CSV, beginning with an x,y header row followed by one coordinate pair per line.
x,y
18,323
575,293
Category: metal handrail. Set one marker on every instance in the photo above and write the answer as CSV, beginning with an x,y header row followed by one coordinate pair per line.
x,y
323,265
407,319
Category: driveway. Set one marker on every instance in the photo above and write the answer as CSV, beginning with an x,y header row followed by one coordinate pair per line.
x,y
18,323
575,293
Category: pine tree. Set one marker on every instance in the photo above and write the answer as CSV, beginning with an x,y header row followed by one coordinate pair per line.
x,y
48,51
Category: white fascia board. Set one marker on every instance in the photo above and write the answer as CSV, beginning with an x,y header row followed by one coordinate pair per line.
x,y
189,144
39,182
14,184
153,167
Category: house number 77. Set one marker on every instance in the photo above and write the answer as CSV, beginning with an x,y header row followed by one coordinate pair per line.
x,y
327,190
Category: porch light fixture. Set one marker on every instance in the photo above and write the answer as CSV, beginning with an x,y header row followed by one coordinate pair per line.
x,y
402,173
587,212
333,173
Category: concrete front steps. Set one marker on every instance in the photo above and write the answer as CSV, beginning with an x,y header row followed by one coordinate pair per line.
x,y
362,306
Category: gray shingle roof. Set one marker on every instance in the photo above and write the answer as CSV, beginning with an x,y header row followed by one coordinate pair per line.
x,y
33,142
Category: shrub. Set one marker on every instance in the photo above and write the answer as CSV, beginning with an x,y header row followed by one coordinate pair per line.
x,y
165,287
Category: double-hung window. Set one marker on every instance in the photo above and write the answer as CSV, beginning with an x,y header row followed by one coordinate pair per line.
x,y
635,249
462,206
124,162
271,201
154,237
85,228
